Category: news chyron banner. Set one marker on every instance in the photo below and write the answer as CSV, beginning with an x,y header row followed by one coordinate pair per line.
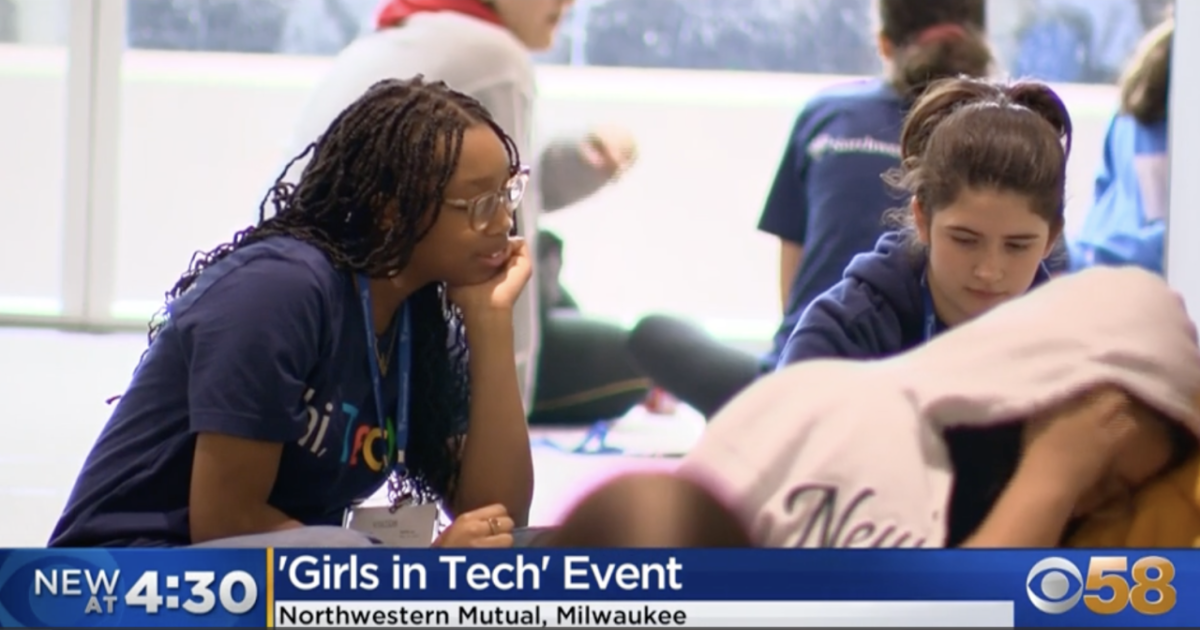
x,y
602,588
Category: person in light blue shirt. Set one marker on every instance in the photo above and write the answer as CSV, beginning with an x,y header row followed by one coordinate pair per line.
x,y
1127,222
985,167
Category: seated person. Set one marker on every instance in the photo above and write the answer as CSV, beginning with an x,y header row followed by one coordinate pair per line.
x,y
1127,222
809,461
275,394
1041,506
828,200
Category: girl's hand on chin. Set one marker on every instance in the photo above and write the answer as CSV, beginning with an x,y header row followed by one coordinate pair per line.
x,y
501,292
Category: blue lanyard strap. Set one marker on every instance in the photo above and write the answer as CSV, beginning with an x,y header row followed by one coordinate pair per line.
x,y
399,442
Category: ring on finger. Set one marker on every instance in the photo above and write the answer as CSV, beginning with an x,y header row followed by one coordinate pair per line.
x,y
494,526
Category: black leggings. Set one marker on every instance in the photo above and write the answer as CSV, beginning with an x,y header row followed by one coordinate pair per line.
x,y
585,373
689,364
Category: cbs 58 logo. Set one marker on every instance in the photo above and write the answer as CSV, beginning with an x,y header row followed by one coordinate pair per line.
x,y
1111,585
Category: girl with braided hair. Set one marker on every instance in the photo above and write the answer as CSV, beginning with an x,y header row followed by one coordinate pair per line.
x,y
573,368
324,352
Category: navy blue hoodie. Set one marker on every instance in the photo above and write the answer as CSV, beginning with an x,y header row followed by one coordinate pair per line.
x,y
877,311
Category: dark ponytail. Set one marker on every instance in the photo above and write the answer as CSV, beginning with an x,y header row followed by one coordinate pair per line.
x,y
933,40
1043,101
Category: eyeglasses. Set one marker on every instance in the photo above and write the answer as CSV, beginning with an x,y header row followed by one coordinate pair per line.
x,y
482,210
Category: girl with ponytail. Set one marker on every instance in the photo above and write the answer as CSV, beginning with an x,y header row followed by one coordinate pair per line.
x,y
983,165
827,202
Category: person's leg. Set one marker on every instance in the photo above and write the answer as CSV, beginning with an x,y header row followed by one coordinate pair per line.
x,y
650,510
689,364
585,373
316,537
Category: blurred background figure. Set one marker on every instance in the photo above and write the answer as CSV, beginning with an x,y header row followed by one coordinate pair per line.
x,y
654,511
1127,221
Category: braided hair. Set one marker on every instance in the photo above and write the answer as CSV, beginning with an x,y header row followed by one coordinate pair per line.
x,y
371,191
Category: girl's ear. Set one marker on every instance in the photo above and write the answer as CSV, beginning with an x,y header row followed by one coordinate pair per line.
x,y
920,220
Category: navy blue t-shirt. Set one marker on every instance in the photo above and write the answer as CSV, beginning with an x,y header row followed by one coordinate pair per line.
x,y
879,310
270,344
829,195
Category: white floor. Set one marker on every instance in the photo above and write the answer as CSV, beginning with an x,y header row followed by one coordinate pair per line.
x,y
53,387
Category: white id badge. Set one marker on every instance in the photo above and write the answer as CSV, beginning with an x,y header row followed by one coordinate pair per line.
x,y
411,526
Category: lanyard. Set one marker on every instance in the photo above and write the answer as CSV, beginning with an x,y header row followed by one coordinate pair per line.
x,y
931,323
399,442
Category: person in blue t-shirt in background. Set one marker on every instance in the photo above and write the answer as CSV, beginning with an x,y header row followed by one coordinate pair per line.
x,y
276,393
1127,222
828,199
984,165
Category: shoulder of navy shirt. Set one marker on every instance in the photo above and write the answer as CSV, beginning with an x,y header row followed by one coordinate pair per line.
x,y
828,194
876,311
268,346
1117,230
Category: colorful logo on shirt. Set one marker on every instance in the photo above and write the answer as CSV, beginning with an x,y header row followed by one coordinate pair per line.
x,y
367,443
362,444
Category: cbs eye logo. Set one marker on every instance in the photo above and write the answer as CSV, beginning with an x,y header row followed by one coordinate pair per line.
x,y
1111,585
